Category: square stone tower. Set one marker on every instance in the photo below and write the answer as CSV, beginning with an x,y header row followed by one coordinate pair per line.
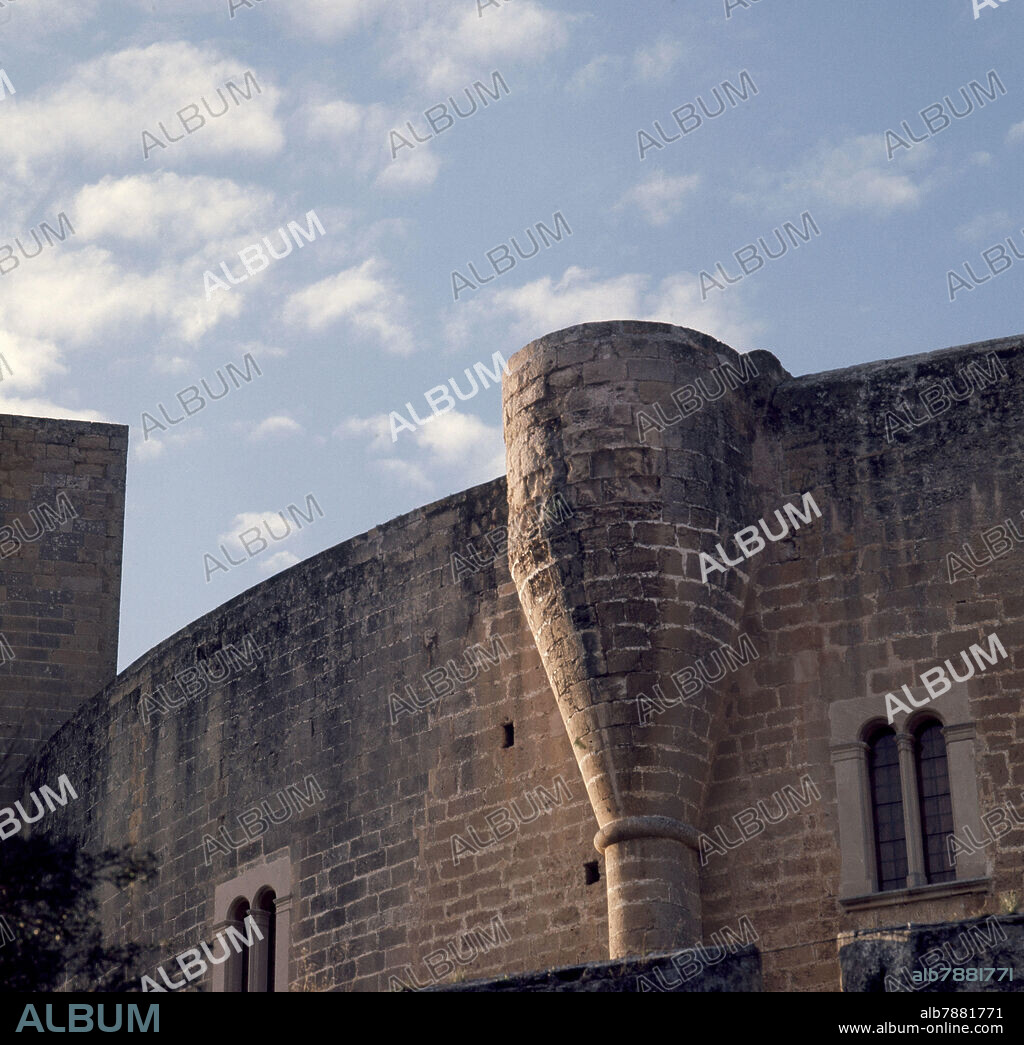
x,y
62,496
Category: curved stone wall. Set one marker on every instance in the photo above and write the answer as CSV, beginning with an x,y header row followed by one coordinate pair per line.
x,y
470,724
399,858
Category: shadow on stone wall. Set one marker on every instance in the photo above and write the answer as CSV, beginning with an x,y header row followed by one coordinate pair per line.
x,y
739,971
929,958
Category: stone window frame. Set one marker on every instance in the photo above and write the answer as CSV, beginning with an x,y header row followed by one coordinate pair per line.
x,y
275,875
851,721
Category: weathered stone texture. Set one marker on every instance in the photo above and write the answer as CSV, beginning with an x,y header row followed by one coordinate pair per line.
x,y
740,971
595,611
60,575
856,605
880,960
850,605
375,886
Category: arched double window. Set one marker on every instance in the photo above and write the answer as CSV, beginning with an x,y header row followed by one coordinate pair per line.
x,y
255,915
911,805
903,787
250,968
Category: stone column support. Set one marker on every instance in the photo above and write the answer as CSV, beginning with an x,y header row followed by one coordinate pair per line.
x,y
911,811
259,952
653,883
646,431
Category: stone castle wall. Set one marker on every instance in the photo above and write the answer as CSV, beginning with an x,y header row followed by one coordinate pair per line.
x,y
375,885
595,611
62,486
856,605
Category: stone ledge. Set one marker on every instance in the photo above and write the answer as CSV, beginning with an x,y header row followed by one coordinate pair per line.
x,y
739,971
892,897
885,960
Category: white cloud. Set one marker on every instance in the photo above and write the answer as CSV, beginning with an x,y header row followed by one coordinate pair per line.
x,y
407,474
261,351
42,17
98,303
358,132
657,61
603,69
97,113
440,45
278,561
410,170
106,290
171,364
983,226
280,424
361,136
97,295
79,295
647,65
981,159
446,49
456,439
363,297
660,197
46,408
330,19
272,526
29,361
175,211
854,174
340,119
153,447
1016,133
449,452
452,44
580,297
378,426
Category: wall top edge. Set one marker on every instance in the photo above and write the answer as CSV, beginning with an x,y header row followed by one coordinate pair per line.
x,y
65,423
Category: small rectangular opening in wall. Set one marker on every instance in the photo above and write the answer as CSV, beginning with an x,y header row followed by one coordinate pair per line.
x,y
591,872
509,730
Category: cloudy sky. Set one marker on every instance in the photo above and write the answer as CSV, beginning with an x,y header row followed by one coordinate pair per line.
x,y
117,114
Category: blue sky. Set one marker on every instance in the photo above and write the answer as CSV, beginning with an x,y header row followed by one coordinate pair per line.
x,y
112,321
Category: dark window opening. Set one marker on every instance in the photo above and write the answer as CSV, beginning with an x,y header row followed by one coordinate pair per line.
x,y
236,969
591,872
510,734
936,802
887,811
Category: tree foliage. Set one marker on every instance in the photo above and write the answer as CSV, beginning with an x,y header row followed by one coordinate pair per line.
x,y
49,903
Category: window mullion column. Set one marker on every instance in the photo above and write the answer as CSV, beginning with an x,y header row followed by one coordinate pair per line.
x,y
911,812
259,952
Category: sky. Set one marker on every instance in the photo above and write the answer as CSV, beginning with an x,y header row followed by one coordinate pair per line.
x,y
600,133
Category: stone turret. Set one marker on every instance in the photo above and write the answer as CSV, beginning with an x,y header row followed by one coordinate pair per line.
x,y
655,472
